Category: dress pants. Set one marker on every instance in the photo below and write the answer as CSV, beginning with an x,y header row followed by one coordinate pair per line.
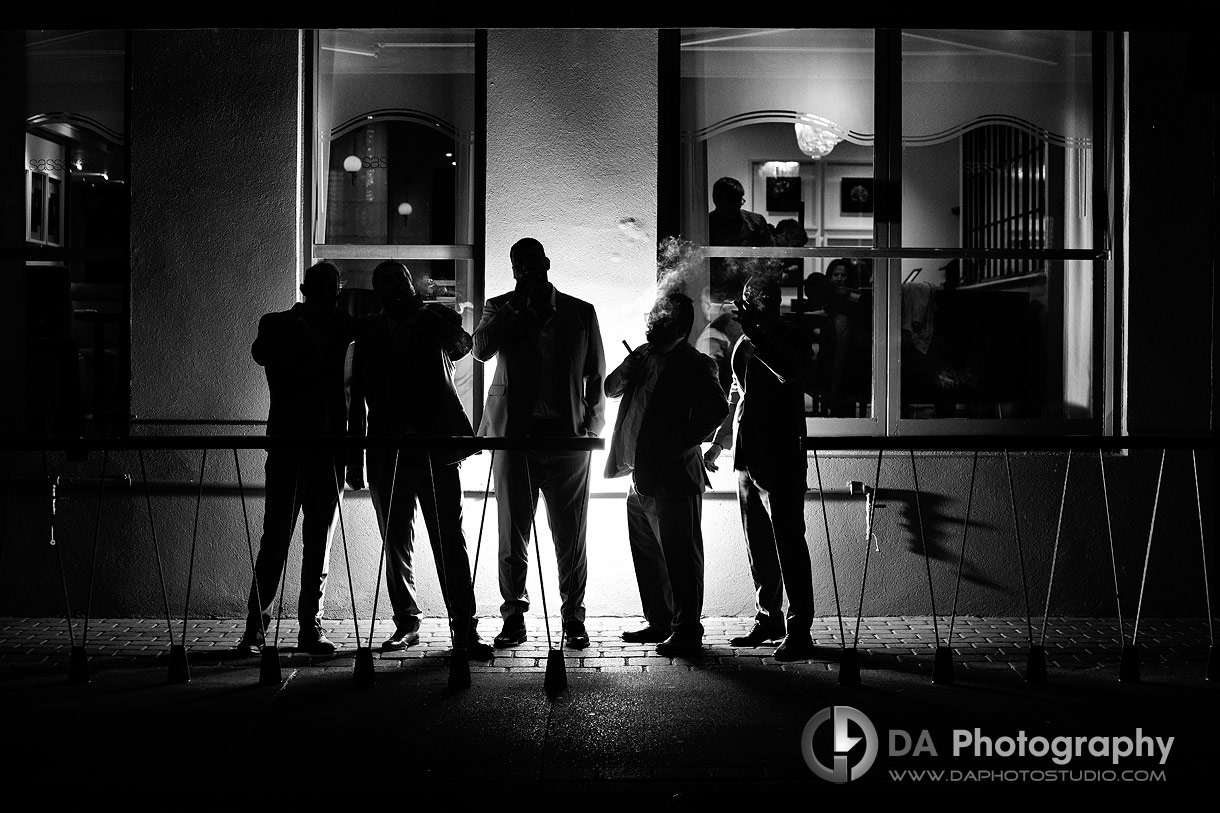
x,y
562,477
666,538
437,488
774,526
306,482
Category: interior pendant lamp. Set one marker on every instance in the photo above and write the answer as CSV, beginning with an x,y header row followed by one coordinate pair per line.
x,y
817,136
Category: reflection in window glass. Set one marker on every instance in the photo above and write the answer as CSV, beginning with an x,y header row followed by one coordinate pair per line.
x,y
1006,199
395,120
75,96
837,313
997,134
777,141
403,192
440,281
995,351
393,166
996,321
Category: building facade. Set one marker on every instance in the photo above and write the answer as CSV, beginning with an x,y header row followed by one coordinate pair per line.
x,y
603,143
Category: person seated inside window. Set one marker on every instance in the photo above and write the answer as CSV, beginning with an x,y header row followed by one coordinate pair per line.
x,y
728,224
840,377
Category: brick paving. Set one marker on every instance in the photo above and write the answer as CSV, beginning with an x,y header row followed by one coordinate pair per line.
x,y
634,730
907,642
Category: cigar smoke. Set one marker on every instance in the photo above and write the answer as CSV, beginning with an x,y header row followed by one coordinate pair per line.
x,y
683,267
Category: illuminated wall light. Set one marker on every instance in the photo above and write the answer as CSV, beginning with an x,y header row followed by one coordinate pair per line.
x,y
779,169
352,164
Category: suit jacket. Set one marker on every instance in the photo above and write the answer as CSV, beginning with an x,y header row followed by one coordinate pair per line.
x,y
402,380
304,367
769,425
745,229
685,406
577,369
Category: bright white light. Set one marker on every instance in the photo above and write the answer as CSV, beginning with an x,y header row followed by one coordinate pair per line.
x,y
817,136
779,169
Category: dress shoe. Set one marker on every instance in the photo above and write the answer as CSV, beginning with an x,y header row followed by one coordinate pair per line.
x,y
575,635
401,639
758,635
250,645
648,635
510,636
795,648
680,644
479,651
319,645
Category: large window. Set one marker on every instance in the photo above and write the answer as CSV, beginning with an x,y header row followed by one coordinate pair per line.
x,y
928,200
394,166
72,250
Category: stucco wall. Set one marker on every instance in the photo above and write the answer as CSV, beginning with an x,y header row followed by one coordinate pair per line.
x,y
214,215
571,161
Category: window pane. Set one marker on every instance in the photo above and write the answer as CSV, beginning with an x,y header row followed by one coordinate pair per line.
x,y
395,121
77,218
393,166
403,193
447,282
777,143
764,105
835,308
1007,349
997,140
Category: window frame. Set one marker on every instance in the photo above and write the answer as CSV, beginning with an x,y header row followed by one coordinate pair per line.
x,y
888,249
472,253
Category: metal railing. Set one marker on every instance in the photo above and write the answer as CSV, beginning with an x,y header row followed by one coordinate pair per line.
x,y
1074,446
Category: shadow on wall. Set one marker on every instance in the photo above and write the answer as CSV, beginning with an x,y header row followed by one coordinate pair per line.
x,y
932,529
933,523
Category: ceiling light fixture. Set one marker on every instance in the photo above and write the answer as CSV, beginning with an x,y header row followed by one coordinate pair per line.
x,y
817,136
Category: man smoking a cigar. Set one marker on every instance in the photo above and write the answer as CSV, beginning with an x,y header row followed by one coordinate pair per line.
x,y
671,401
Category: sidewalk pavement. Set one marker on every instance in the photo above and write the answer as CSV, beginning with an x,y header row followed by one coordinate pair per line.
x,y
631,729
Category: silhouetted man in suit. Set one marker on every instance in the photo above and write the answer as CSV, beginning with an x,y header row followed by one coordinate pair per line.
x,y
769,364
302,350
672,401
548,383
402,381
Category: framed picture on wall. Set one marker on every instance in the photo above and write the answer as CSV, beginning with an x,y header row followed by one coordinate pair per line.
x,y
783,194
856,196
847,196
